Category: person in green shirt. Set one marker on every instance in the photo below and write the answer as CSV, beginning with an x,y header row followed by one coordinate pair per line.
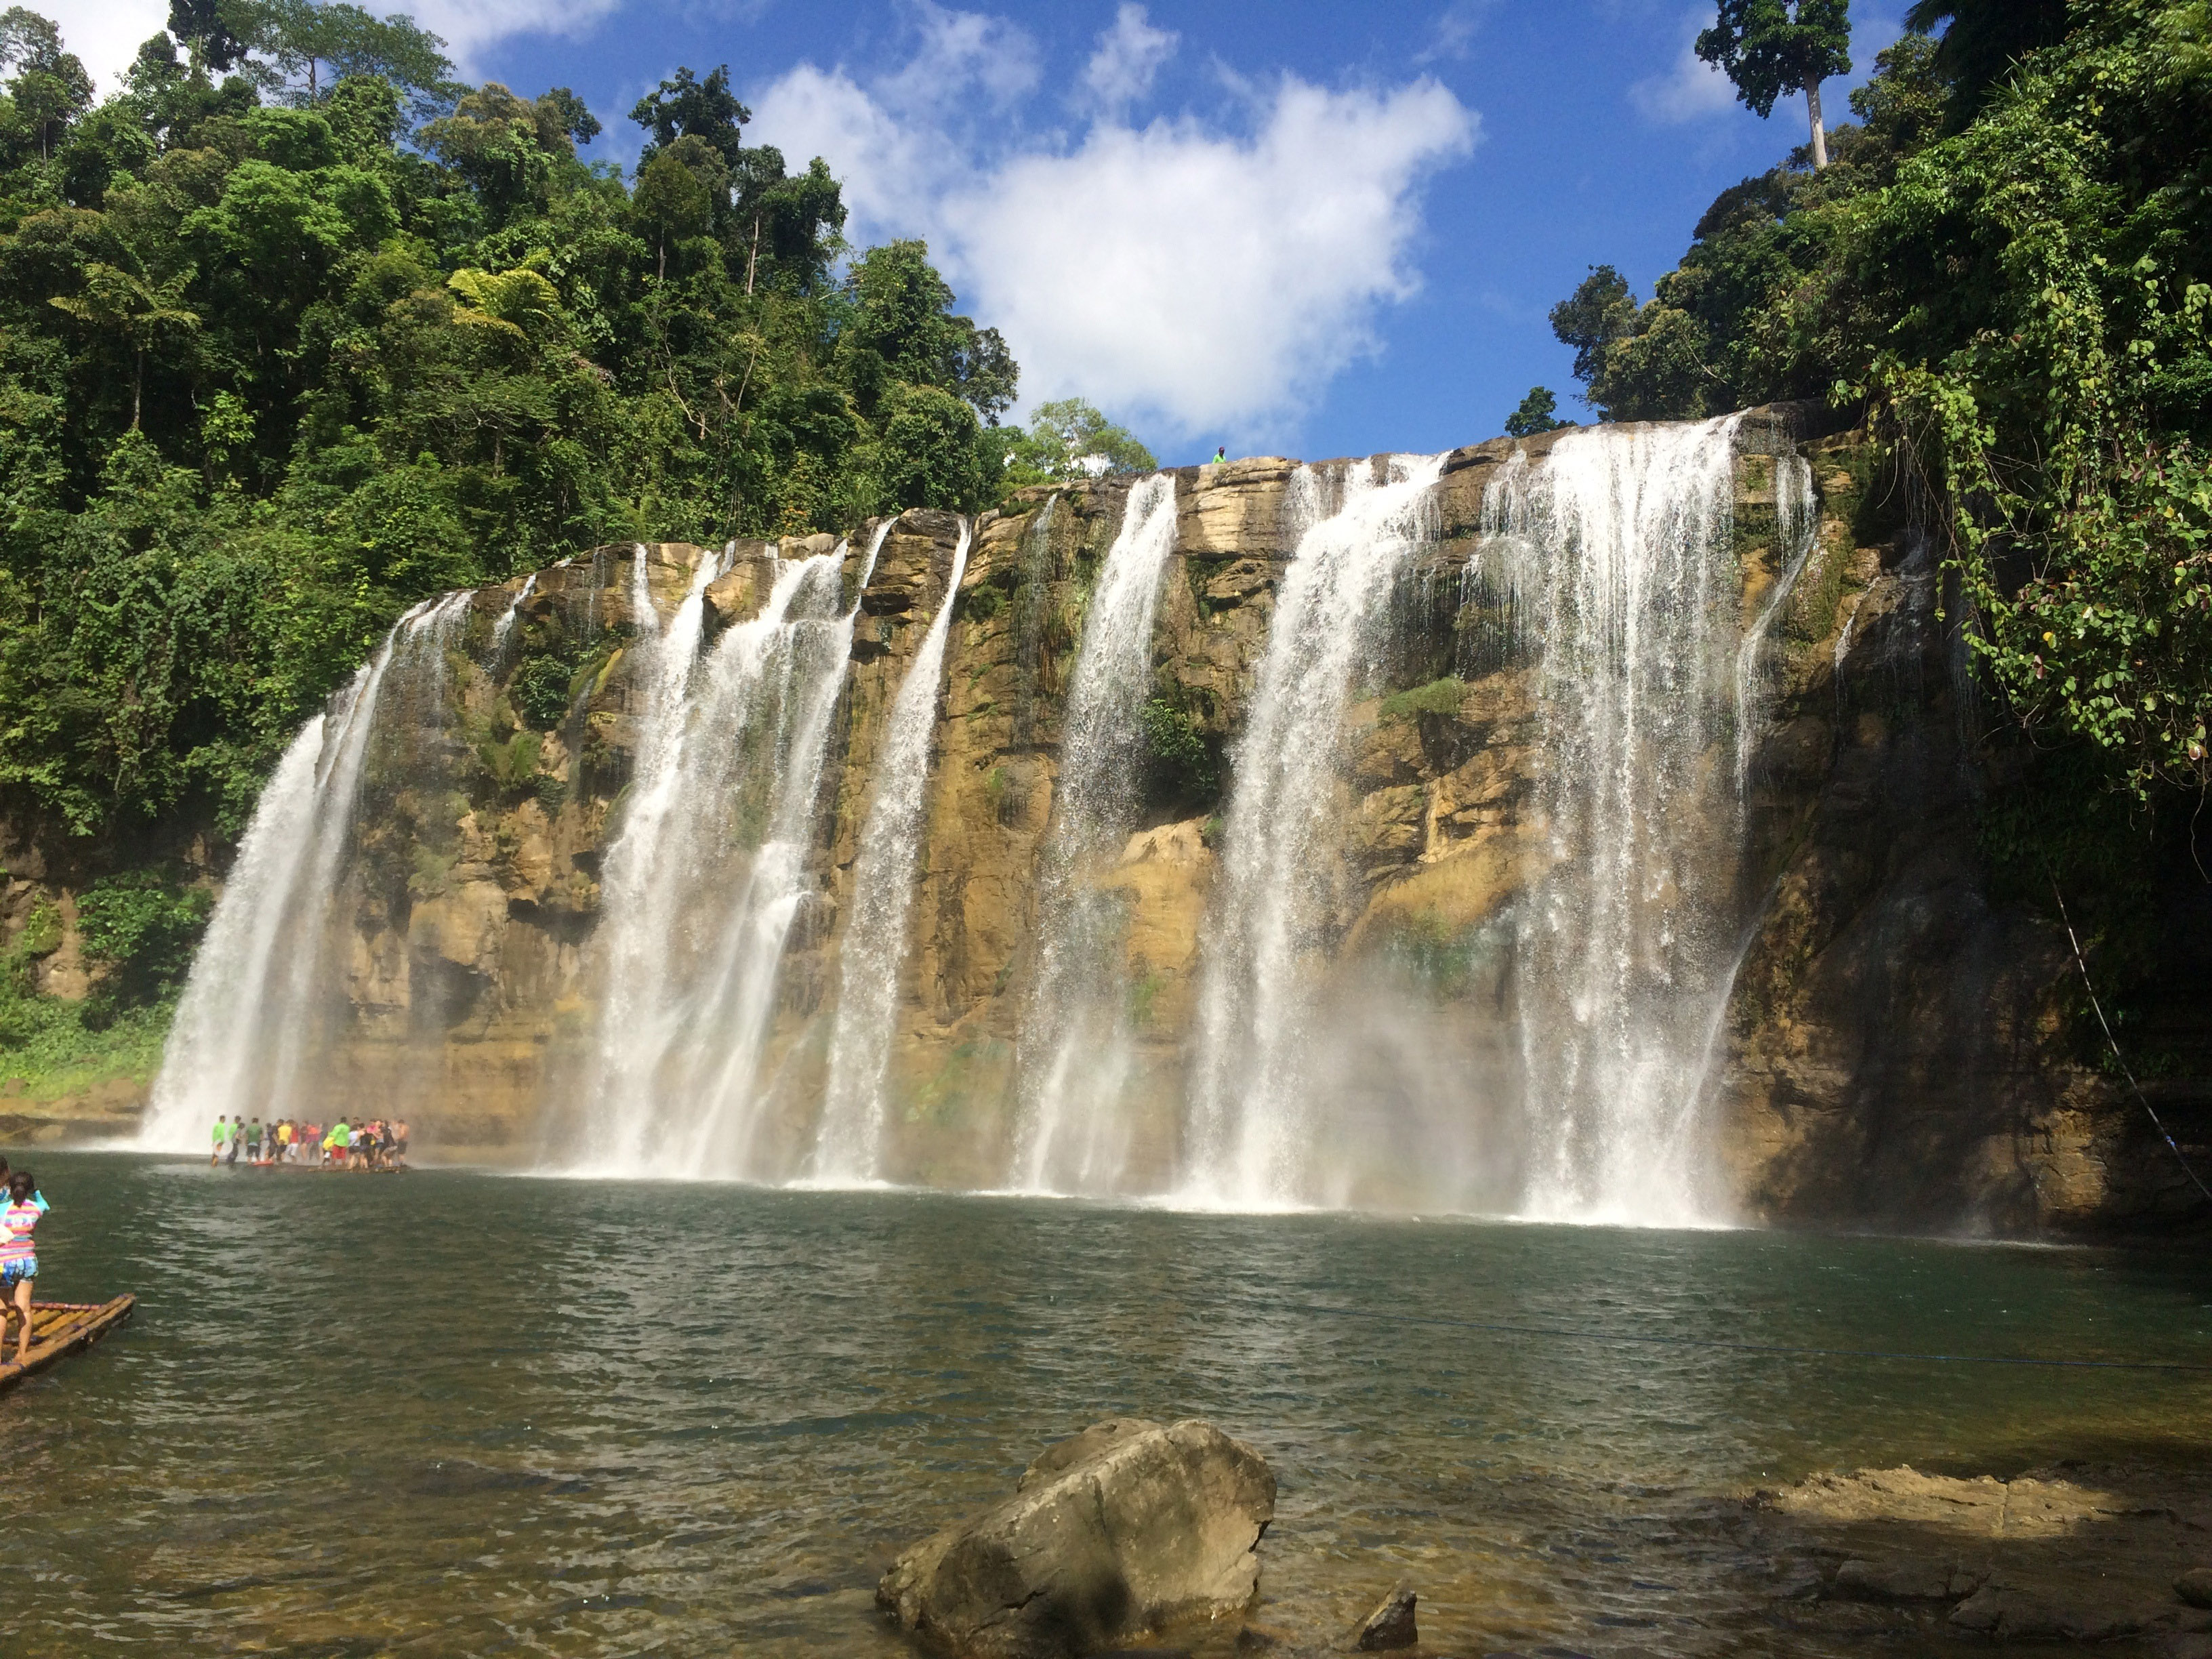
x,y
337,1144
254,1142
221,1140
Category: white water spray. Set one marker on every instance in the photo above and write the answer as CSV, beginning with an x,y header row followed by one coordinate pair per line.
x,y
1615,558
504,629
265,981
709,870
1074,1034
1276,909
849,1137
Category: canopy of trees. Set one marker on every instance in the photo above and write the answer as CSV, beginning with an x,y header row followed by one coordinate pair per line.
x,y
295,330
2010,263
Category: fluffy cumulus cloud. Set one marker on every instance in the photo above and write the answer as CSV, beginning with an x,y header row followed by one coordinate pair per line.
x,y
1197,274
1689,88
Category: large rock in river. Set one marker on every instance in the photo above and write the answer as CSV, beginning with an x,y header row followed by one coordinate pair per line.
x,y
1125,1529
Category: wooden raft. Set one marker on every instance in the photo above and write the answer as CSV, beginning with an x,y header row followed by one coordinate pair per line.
x,y
59,1329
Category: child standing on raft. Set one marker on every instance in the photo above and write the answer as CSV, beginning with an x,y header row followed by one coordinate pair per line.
x,y
19,1260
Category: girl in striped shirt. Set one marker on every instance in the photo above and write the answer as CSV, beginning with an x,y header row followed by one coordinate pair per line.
x,y
19,1260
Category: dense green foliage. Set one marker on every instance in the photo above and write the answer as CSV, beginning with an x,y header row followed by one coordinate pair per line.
x,y
1182,764
2008,265
294,332
1068,439
1537,412
136,933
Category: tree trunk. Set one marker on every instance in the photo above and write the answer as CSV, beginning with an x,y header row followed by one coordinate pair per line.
x,y
1819,133
137,384
751,257
662,274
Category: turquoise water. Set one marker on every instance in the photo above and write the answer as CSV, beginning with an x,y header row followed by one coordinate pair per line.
x,y
456,1413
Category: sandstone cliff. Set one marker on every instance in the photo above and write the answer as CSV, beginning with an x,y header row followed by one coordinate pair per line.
x,y
1893,1050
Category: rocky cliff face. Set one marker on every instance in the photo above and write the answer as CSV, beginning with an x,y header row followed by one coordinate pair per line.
x,y
1890,1053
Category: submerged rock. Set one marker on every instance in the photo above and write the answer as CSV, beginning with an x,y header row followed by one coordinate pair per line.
x,y
2195,1587
1125,1529
1906,1579
1391,1624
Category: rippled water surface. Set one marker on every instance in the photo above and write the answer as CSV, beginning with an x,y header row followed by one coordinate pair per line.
x,y
447,1412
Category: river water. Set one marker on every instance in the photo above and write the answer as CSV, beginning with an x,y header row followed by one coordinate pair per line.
x,y
458,1413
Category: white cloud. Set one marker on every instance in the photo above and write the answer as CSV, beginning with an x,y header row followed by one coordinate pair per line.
x,y
959,50
1455,29
1129,55
1206,282
106,33
1691,88
1200,277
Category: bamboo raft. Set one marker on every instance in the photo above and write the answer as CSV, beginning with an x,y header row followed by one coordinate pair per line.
x,y
59,1329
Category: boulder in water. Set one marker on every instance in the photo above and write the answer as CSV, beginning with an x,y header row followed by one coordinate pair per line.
x,y
1127,1529
1391,1624
2195,1587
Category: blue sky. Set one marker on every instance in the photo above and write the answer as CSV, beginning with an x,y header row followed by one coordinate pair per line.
x,y
1315,228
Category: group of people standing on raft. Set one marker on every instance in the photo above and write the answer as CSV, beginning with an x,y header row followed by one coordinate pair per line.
x,y
379,1144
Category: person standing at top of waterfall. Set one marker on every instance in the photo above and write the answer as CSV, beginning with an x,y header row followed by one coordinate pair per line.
x,y
221,1139
19,1260
1220,453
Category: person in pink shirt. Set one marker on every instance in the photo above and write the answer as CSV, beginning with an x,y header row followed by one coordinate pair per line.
x,y
19,1260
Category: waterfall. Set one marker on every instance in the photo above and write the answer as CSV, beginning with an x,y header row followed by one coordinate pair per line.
x,y
504,629
265,981
1074,1035
1795,526
709,870
1614,558
850,1131
1276,903
804,659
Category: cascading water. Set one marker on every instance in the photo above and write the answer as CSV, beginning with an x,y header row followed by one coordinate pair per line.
x,y
265,981
1614,560
1074,1032
806,658
1795,523
504,629
1277,904
709,870
849,1136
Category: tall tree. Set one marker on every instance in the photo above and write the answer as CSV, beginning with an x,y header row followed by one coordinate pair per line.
x,y
1538,412
1770,47
1599,310
305,39
136,311
690,107
50,89
212,31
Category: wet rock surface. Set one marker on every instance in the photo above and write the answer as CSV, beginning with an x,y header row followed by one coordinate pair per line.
x,y
1391,1625
2078,1554
1123,1532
